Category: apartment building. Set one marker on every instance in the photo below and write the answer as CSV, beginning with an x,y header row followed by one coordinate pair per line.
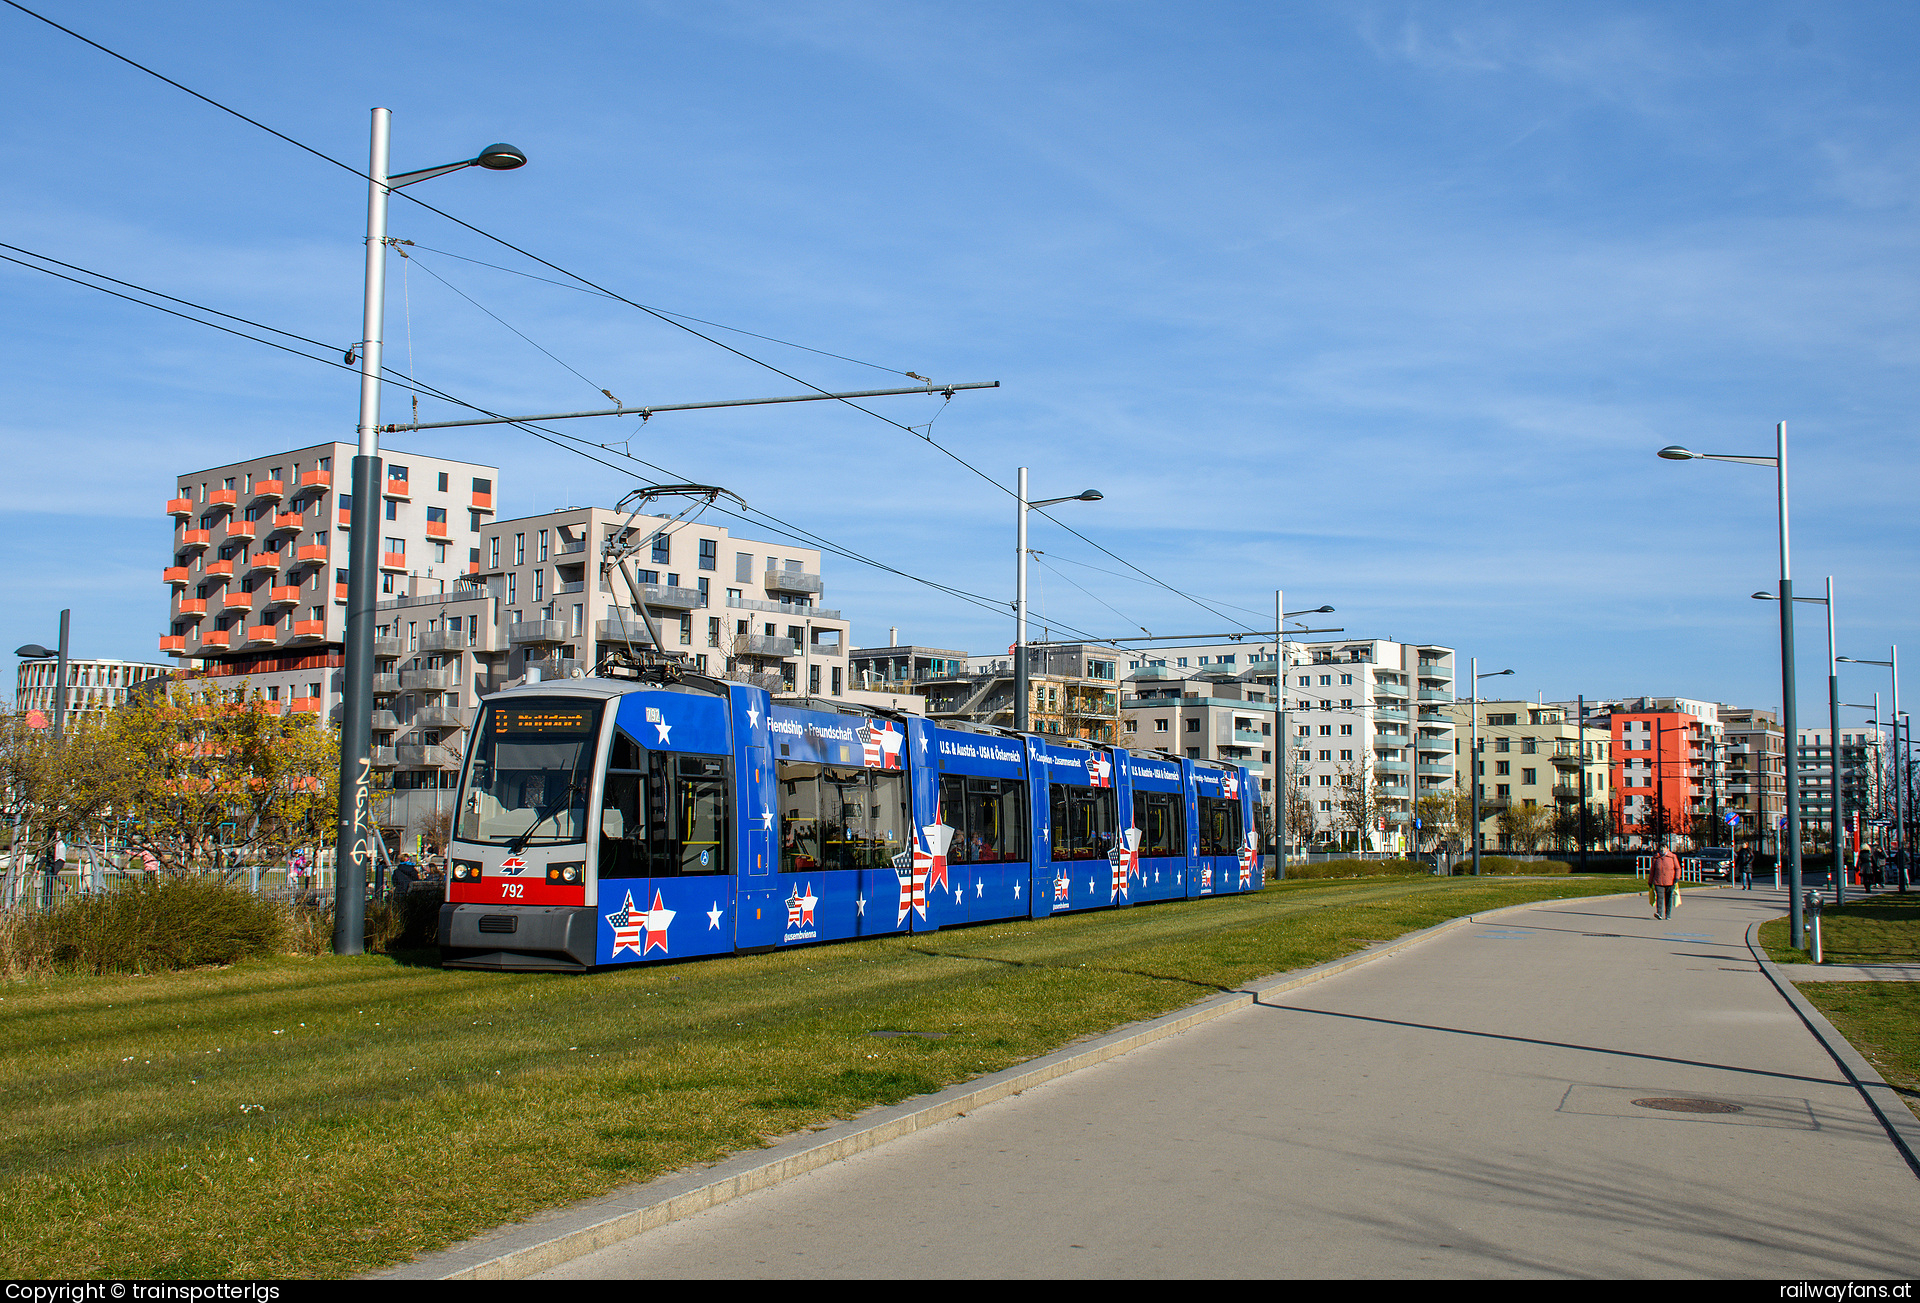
x,y
736,607
1754,774
1211,714
1073,690
1535,756
93,686
1666,770
1861,772
259,561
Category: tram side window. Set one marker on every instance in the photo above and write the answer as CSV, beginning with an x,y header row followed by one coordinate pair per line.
x,y
840,818
988,817
1163,823
664,815
1219,826
1083,820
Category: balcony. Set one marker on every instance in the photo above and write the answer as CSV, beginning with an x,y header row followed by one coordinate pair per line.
x,y
263,633
269,490
316,482
674,599
439,640
381,757
1565,792
755,645
237,529
193,540
784,608
176,645
284,595
223,498
213,638
563,587
436,529
1436,694
1396,690
388,647
314,630
219,570
621,631
483,502
400,489
288,522
792,581
1392,766
441,717
386,685
426,757
553,668
304,705
569,546
180,507
192,608
536,632
429,680
393,560
339,592
313,552
265,561
1390,712
236,601
176,575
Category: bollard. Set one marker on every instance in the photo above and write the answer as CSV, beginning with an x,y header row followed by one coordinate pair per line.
x,y
1812,909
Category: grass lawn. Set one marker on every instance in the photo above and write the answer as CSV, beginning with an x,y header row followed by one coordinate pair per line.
x,y
321,1117
1880,929
1882,1020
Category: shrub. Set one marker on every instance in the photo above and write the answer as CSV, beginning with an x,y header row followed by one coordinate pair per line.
x,y
409,922
1502,865
146,927
1356,869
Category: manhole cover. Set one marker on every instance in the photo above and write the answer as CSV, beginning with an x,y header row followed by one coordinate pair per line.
x,y
1688,1105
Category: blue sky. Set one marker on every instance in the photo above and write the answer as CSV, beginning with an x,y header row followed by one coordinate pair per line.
x,y
1385,304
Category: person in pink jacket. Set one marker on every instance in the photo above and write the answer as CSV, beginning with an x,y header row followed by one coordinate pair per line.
x,y
1665,879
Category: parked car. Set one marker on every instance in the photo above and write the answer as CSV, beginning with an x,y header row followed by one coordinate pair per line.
x,y
1715,862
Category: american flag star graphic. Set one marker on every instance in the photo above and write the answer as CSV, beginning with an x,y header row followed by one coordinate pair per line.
x,y
800,908
1206,878
1248,857
1059,888
1100,769
926,867
627,924
881,740
1230,785
1125,859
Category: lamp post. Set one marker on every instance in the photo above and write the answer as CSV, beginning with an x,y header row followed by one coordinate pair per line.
x,y
1833,729
1892,663
353,846
1473,749
1878,803
1281,792
33,651
1020,594
1789,715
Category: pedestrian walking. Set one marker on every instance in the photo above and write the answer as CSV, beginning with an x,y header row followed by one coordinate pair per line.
x,y
1664,878
1744,859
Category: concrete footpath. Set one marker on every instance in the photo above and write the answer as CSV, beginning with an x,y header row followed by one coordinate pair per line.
x,y
1570,1090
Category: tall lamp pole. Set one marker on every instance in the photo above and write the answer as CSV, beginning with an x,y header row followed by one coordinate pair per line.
x,y
1788,713
1020,689
1473,750
1900,802
1833,729
353,841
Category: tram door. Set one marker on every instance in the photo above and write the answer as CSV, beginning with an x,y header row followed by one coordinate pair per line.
x,y
760,917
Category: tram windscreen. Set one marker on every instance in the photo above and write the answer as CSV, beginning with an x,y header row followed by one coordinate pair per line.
x,y
530,773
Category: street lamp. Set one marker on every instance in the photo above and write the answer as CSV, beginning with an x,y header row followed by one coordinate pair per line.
x,y
1789,716
1892,663
1833,729
1020,595
353,843
1281,792
1473,749
33,651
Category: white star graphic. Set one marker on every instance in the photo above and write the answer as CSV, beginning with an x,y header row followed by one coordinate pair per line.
x,y
860,905
766,821
713,917
979,888
753,716
1016,891
663,732
1089,884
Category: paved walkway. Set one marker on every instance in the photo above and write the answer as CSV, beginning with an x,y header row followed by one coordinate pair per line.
x,y
1467,1108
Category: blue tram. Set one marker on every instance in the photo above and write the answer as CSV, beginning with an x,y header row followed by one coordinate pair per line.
x,y
619,821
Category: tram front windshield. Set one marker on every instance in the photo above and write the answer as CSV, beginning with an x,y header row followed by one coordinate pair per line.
x,y
529,776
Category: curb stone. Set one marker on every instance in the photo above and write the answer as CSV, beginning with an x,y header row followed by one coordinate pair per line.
x,y
1902,1127
549,1239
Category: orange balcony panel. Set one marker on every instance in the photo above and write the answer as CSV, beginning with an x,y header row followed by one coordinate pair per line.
x,y
214,638
436,529
307,705
240,529
288,520
269,489
339,592
473,567
193,538
177,645
393,560
398,489
174,575
219,569
192,608
317,480
284,595
483,502
262,633
237,602
310,629
265,561
267,707
346,517
313,552
179,506
223,498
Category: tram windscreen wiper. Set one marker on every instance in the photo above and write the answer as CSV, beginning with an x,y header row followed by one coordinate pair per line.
x,y
541,815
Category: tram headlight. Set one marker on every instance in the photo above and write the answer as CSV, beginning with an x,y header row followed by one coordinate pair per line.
x,y
567,875
466,871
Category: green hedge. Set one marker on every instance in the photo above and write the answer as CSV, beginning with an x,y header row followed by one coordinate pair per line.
x,y
1356,869
1502,865
147,927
